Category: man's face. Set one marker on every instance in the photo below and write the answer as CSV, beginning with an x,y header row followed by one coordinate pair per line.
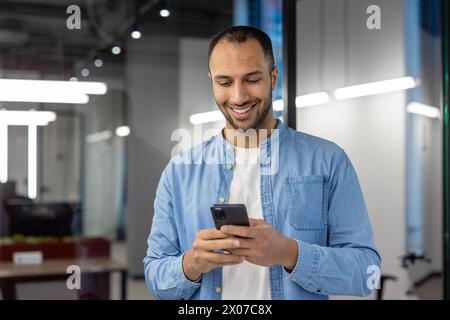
x,y
242,83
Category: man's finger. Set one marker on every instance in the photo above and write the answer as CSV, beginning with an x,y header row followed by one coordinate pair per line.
x,y
245,232
221,258
211,234
212,245
256,222
242,252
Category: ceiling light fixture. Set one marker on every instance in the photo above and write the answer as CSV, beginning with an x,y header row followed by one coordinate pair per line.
x,y
377,87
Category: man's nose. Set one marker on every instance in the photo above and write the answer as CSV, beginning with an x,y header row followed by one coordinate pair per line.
x,y
239,95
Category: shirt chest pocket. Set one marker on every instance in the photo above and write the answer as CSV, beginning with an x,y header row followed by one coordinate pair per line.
x,y
306,202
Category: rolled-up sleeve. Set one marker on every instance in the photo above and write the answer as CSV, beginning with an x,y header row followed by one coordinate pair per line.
x,y
350,263
163,264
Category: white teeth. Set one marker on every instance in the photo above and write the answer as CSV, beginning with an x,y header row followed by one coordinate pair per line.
x,y
242,110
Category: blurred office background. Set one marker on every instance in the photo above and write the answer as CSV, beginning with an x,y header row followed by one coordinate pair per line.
x,y
95,159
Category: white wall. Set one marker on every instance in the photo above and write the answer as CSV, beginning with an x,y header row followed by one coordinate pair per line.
x,y
370,129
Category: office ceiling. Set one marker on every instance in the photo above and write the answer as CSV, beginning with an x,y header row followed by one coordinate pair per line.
x,y
34,36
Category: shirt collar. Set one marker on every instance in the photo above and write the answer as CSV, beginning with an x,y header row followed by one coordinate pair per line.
x,y
267,147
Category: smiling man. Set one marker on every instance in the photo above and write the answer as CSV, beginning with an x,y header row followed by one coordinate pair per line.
x,y
243,81
309,234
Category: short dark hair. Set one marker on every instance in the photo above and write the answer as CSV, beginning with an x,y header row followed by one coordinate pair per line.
x,y
240,34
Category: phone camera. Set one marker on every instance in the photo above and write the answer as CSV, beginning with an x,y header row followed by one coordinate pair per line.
x,y
219,214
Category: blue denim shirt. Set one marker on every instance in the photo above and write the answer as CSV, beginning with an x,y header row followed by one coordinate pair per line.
x,y
309,192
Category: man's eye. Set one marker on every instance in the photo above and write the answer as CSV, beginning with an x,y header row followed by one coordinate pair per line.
x,y
253,81
224,84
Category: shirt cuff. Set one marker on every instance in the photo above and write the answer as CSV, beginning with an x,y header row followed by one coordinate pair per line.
x,y
187,286
184,275
306,266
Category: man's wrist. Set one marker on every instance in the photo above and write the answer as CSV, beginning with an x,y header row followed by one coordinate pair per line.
x,y
290,254
189,271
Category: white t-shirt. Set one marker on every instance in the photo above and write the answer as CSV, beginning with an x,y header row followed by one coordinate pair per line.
x,y
246,281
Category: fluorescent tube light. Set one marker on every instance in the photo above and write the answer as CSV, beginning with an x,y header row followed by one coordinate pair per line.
x,y
375,88
3,153
278,105
205,117
73,88
26,118
423,110
123,131
43,97
311,99
98,136
306,100
32,162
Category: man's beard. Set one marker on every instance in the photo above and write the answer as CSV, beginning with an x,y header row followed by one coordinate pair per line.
x,y
260,118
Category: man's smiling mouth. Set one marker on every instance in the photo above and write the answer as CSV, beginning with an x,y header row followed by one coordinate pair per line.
x,y
242,113
241,110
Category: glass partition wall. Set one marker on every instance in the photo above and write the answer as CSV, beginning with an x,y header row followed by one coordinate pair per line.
x,y
369,77
91,93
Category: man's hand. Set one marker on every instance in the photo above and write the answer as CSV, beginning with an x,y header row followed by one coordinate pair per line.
x,y
263,245
202,256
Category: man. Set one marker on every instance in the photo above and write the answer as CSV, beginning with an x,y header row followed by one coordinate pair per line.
x,y
310,235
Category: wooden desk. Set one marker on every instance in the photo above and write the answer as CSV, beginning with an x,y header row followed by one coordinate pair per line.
x,y
55,269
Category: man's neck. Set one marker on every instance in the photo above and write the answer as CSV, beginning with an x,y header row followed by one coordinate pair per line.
x,y
250,138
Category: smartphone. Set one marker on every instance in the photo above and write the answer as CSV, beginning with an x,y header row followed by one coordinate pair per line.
x,y
229,214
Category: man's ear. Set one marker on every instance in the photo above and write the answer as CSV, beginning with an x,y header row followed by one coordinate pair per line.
x,y
274,77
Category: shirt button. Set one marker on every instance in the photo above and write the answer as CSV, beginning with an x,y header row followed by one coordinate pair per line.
x,y
229,166
319,291
218,289
221,200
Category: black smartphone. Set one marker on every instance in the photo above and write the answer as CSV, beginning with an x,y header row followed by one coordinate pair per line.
x,y
229,214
